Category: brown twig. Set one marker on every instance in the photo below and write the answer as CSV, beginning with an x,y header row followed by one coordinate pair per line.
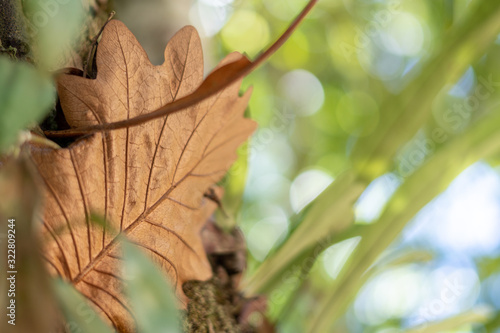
x,y
232,72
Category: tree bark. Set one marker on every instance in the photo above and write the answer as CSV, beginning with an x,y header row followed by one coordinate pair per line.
x,y
13,35
18,38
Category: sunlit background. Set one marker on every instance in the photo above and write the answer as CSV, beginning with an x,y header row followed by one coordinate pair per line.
x,y
313,100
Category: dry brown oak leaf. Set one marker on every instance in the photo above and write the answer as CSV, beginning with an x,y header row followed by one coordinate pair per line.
x,y
146,181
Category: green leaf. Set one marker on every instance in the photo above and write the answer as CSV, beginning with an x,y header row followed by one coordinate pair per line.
x,y
80,317
152,299
25,97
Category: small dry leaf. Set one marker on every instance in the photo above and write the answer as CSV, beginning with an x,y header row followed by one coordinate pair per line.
x,y
146,181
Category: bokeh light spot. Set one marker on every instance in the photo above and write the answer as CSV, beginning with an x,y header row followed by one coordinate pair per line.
x,y
294,53
336,255
264,234
306,187
246,31
371,203
466,217
211,17
393,294
303,91
405,36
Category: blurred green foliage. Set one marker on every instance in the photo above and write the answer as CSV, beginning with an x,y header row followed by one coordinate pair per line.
x,y
403,88
152,299
26,95
80,317
55,27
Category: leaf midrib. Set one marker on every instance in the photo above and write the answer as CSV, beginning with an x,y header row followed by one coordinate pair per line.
x,y
111,245
105,251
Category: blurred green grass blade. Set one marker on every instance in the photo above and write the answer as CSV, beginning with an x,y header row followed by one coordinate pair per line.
x,y
479,315
283,288
25,97
479,141
403,115
331,214
151,297
300,265
80,317
407,257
